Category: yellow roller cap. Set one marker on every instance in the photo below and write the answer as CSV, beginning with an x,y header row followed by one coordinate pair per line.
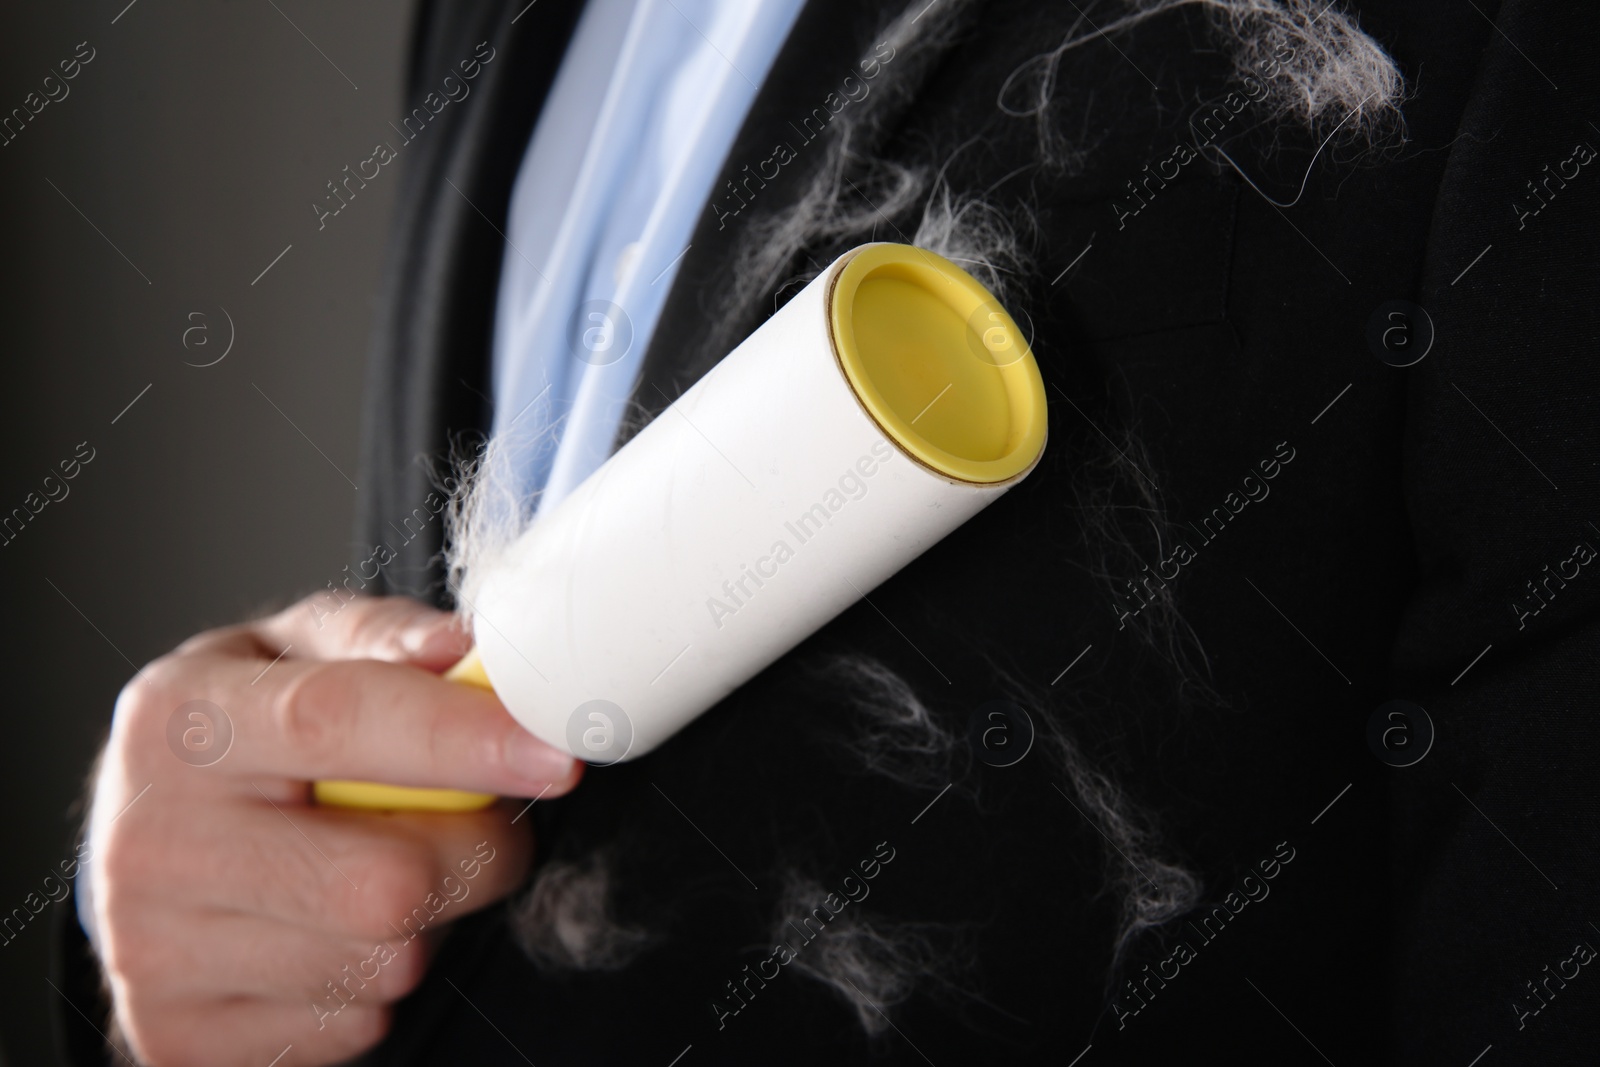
x,y
938,364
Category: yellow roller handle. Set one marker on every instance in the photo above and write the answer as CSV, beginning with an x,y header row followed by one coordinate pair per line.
x,y
373,796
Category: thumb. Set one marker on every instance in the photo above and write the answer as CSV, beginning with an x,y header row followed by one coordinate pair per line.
x,y
435,640
392,629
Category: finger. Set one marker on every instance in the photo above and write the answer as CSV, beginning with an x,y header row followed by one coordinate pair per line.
x,y
361,720
192,954
248,1033
346,874
395,629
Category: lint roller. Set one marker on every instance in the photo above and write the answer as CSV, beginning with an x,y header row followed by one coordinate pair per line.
x,y
883,406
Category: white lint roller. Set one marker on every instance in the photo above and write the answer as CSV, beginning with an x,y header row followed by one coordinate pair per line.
x,y
883,406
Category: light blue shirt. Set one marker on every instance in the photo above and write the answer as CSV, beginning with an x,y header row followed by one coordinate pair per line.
x,y
634,133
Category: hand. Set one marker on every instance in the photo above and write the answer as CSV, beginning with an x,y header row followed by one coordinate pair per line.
x,y
234,917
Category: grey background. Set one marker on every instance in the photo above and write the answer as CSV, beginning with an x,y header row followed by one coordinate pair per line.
x,y
196,140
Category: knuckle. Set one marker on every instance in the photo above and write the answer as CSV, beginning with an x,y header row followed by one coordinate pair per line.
x,y
444,733
122,866
404,972
394,892
152,1042
142,701
132,955
290,878
310,713
376,623
161,1040
360,1028
208,639
119,949
143,712
308,603
499,877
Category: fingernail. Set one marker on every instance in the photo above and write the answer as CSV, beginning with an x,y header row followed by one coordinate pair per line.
x,y
534,760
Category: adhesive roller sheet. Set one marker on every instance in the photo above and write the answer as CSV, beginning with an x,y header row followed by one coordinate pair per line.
x,y
882,407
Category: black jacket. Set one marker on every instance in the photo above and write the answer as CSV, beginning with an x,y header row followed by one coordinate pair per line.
x,y
1207,338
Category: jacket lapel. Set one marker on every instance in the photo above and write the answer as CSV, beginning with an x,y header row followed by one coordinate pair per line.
x,y
828,39
431,340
